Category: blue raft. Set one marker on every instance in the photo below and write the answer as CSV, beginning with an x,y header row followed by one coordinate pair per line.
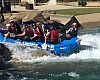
x,y
64,48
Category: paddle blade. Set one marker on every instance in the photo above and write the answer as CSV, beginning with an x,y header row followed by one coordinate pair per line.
x,y
44,46
12,35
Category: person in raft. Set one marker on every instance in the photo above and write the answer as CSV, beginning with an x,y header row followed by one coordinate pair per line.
x,y
26,33
72,31
9,30
37,33
54,36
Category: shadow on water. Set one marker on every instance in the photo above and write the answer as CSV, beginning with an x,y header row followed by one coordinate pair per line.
x,y
6,71
6,65
5,57
85,47
40,53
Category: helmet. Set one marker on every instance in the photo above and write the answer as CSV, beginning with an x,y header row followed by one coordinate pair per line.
x,y
11,20
25,26
8,25
74,24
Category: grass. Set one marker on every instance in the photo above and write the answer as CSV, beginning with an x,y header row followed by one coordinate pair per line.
x,y
79,11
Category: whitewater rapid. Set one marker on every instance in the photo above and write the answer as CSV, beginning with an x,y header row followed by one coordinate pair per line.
x,y
89,50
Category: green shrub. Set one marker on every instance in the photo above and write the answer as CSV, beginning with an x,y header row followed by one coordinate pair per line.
x,y
82,3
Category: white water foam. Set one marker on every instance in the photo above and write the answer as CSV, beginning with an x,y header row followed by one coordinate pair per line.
x,y
90,51
73,74
92,47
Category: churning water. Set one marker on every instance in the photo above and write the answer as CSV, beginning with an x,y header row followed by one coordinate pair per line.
x,y
32,63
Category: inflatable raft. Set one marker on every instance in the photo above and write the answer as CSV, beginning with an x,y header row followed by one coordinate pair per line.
x,y
64,48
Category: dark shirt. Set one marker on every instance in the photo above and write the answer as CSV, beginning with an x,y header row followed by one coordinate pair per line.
x,y
72,32
18,29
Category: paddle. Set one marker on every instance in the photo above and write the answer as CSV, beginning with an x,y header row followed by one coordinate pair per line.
x,y
12,35
44,46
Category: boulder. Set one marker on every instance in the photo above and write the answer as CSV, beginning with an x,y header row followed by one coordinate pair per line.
x,y
5,54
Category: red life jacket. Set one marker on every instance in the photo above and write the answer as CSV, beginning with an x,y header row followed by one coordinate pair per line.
x,y
38,29
54,35
13,28
29,32
9,29
38,35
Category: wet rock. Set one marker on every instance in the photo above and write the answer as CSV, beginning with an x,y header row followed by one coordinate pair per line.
x,y
5,54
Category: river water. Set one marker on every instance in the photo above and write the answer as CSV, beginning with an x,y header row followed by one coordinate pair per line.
x,y
31,63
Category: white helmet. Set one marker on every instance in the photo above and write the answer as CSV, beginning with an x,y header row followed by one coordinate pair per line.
x,y
74,24
8,25
11,20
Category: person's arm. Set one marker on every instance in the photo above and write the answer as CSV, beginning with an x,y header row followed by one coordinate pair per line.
x,y
35,35
21,34
47,34
6,35
67,31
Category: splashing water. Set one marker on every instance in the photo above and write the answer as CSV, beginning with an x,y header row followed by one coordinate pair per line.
x,y
73,74
81,65
90,47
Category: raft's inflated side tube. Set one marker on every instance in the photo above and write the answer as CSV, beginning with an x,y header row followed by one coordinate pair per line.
x,y
65,47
